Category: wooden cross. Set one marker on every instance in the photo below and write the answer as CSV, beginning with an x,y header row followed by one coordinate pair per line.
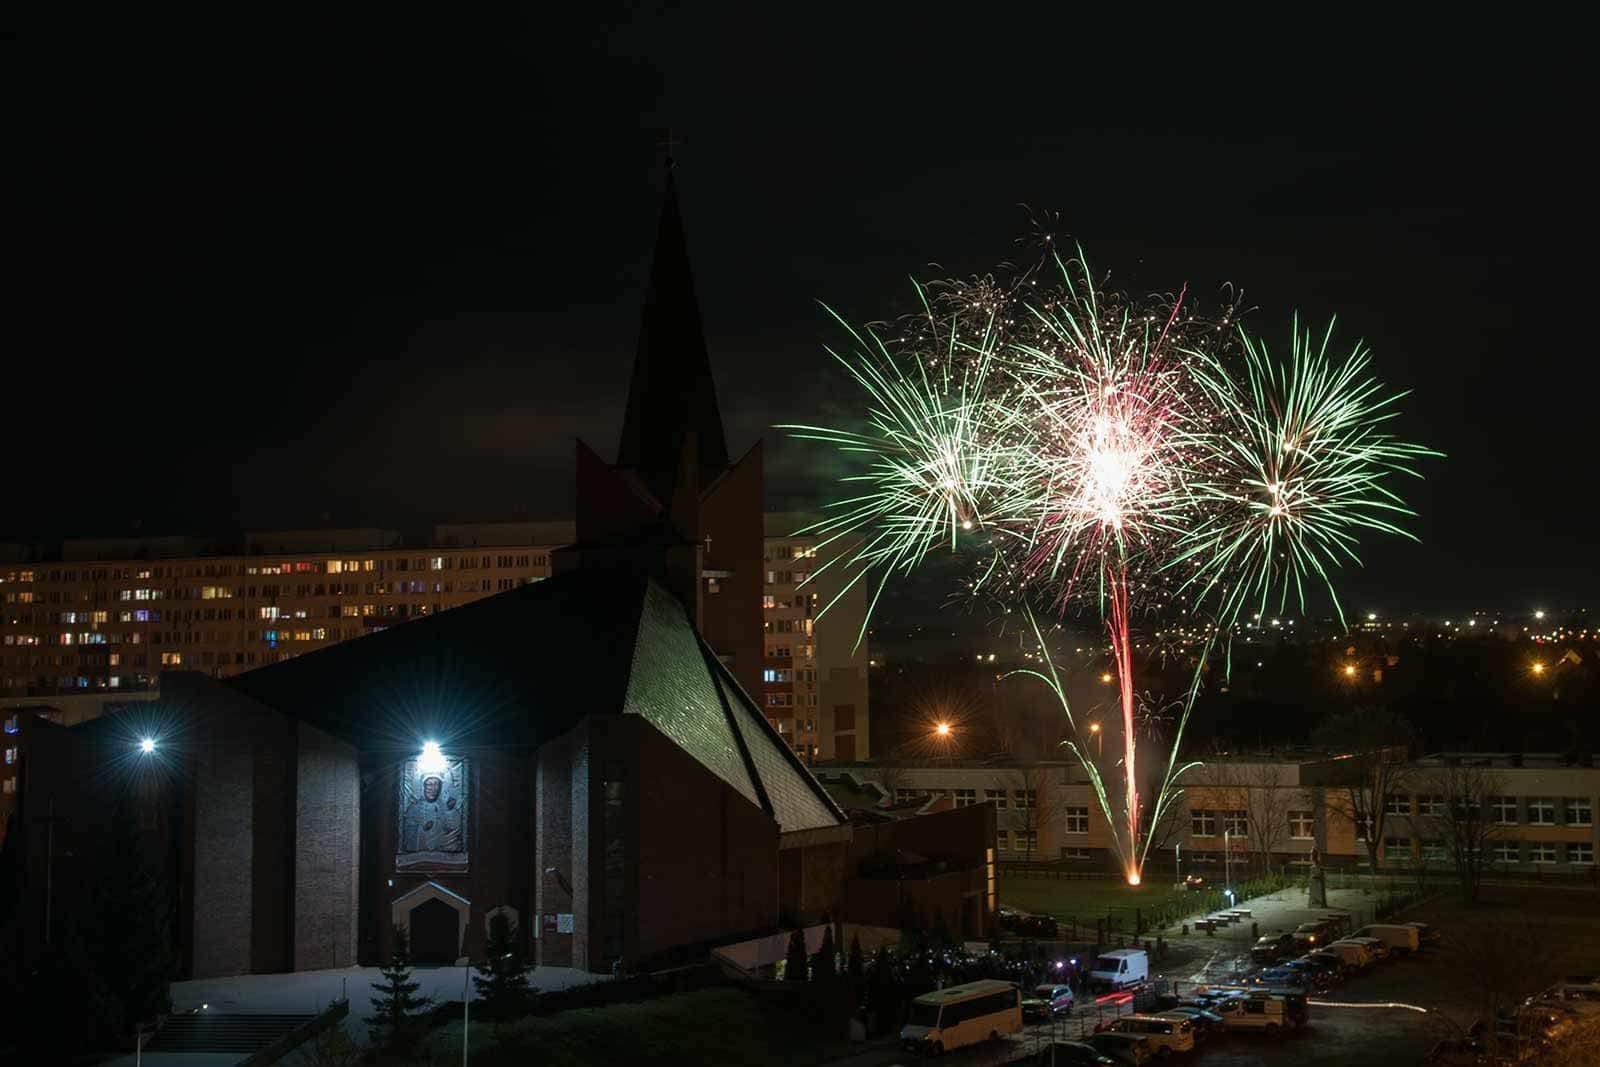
x,y
665,144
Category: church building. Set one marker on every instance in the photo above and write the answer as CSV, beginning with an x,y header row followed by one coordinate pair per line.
x,y
583,752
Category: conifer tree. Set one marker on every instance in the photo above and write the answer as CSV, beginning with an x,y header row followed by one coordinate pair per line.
x,y
856,967
825,965
501,980
396,1002
795,967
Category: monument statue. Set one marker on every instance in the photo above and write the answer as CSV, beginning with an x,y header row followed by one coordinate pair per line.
x,y
1317,889
433,816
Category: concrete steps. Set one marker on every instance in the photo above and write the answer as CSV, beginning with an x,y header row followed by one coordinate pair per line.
x,y
218,1032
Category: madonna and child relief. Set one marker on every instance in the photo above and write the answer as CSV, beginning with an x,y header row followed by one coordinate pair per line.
x,y
433,815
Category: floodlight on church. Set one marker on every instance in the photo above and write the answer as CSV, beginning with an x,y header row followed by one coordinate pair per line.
x,y
432,759
147,745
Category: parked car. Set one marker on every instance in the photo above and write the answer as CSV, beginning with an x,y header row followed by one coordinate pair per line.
x,y
1167,1033
1132,1049
1332,961
1271,948
1311,934
1045,1002
1206,1023
1310,976
1194,881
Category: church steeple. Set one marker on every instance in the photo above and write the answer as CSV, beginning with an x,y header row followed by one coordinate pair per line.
x,y
671,393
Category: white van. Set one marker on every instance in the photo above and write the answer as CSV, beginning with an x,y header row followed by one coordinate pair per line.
x,y
962,1015
1399,938
1267,1014
1354,955
1120,968
1167,1034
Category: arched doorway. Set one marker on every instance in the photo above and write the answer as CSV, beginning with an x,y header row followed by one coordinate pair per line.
x,y
434,933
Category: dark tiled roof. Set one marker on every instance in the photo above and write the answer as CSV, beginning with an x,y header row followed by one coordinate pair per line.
x,y
525,666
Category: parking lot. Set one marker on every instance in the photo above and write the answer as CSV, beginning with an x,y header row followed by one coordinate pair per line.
x,y
1391,1011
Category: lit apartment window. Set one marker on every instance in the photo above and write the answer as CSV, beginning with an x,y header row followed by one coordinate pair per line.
x,y
1507,852
270,612
1542,811
1541,852
769,675
1301,825
1580,811
1503,810
11,756
172,659
1581,852
1077,820
436,563
10,786
1202,824
99,616
769,601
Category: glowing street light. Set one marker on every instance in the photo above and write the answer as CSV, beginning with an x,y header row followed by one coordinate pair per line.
x,y
1349,670
943,729
147,745
1106,677
1538,667
1099,739
432,758
1538,614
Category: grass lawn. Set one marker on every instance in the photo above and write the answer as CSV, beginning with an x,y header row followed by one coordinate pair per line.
x,y
1085,899
723,1026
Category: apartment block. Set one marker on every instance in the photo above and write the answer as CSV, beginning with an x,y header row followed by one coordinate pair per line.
x,y
814,680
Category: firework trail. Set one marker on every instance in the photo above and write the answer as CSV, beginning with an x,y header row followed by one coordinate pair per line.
x,y
1107,452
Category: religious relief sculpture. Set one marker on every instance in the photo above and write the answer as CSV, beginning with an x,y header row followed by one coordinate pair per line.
x,y
433,815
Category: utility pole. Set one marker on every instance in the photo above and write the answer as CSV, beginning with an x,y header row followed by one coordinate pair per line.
x,y
1227,861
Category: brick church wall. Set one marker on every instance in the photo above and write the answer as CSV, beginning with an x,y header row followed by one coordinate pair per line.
x,y
553,848
703,858
327,851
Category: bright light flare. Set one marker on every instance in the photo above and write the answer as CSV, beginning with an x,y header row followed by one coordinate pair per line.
x,y
943,729
147,745
1349,670
1133,878
1538,667
432,759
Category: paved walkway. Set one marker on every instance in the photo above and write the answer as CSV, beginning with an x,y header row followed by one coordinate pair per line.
x,y
312,991
1199,956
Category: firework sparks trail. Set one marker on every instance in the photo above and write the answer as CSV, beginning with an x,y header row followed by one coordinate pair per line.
x,y
1112,453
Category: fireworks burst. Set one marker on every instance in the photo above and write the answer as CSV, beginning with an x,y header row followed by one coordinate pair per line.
x,y
1121,454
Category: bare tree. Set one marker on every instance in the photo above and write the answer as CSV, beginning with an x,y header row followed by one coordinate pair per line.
x,y
1267,798
1033,798
1464,823
1258,792
1374,743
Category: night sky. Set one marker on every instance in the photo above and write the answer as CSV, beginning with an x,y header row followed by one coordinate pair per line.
x,y
382,274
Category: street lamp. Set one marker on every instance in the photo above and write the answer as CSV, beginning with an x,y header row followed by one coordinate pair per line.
x,y
943,729
1099,739
147,745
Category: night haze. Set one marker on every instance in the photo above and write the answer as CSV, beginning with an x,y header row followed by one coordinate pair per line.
x,y
385,275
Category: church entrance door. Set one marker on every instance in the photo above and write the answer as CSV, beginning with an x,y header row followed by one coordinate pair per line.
x,y
434,933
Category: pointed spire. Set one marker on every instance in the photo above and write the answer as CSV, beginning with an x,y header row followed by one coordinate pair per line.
x,y
672,392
